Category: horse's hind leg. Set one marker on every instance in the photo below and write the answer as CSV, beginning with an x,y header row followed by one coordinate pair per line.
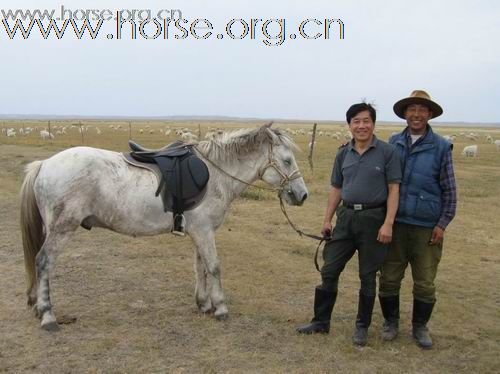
x,y
202,297
44,266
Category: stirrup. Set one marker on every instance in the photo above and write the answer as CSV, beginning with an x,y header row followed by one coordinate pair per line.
x,y
179,225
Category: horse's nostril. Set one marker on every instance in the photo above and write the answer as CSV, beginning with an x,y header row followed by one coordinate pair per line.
x,y
304,197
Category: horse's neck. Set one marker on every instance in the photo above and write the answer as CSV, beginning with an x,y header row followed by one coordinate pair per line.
x,y
236,175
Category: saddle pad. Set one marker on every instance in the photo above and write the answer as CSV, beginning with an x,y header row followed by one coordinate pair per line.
x,y
151,167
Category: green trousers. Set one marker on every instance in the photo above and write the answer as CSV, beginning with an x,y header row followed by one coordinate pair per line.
x,y
410,244
355,231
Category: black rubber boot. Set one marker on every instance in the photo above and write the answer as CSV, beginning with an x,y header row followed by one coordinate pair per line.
x,y
323,306
363,320
390,311
421,315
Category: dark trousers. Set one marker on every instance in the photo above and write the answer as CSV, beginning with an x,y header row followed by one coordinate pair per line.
x,y
410,245
355,230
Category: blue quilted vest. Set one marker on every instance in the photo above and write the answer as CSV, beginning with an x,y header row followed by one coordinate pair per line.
x,y
420,191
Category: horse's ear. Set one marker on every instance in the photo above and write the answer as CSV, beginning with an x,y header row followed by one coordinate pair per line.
x,y
270,133
267,125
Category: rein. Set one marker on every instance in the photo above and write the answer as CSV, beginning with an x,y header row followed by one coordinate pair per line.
x,y
284,179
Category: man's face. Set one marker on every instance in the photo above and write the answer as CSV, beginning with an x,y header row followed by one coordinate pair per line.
x,y
417,116
362,126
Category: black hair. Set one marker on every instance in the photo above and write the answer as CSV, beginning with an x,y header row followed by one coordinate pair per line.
x,y
358,108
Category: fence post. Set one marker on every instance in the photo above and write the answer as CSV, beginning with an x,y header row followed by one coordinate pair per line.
x,y
50,133
81,132
311,148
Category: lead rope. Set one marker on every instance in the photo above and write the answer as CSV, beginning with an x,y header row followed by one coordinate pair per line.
x,y
302,233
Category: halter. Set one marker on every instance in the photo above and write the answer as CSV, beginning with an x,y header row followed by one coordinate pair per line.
x,y
271,163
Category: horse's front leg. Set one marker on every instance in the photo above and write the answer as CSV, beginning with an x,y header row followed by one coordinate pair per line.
x,y
201,290
205,244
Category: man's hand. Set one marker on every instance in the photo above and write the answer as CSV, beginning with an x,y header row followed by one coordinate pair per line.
x,y
437,236
385,233
327,230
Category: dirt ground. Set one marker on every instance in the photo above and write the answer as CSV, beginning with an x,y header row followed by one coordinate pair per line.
x,y
129,303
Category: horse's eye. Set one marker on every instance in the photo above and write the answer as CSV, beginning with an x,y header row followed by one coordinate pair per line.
x,y
287,161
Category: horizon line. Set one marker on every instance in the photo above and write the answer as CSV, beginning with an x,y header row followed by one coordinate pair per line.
x,y
200,118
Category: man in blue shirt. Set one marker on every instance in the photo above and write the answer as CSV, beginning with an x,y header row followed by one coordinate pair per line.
x,y
427,204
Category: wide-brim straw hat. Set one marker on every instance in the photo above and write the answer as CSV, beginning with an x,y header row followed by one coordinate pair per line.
x,y
417,97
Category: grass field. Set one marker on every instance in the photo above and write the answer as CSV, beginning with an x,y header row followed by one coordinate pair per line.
x,y
133,298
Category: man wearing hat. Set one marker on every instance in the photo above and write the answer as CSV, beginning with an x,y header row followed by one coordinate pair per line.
x,y
427,204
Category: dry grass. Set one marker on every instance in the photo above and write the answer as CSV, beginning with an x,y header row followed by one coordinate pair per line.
x,y
133,298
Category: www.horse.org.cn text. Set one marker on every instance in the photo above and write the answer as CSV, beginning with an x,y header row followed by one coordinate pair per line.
x,y
271,32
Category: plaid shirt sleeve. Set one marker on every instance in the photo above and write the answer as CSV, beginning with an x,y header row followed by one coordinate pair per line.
x,y
449,191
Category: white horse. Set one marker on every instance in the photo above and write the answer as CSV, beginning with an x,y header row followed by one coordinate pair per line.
x,y
97,188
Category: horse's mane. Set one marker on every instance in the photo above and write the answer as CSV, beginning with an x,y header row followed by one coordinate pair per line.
x,y
243,141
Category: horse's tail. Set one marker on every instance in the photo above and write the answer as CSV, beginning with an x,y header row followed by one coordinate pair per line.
x,y
31,223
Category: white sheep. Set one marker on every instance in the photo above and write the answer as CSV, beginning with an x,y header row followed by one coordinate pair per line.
x,y
449,138
189,137
470,151
44,134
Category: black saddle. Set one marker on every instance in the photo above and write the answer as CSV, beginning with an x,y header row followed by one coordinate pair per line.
x,y
184,175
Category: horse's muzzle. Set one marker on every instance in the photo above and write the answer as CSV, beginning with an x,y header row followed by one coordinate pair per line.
x,y
297,199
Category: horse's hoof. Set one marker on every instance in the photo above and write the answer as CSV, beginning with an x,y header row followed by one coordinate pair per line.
x,y
207,309
221,317
51,326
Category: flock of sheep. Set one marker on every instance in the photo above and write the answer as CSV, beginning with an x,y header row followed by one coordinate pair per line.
x,y
472,150
187,134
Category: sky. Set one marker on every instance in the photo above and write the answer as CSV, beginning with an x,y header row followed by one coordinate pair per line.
x,y
390,48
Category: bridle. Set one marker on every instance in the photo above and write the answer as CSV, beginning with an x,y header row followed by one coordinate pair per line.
x,y
271,163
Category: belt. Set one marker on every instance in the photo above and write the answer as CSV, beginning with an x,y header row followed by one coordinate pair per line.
x,y
363,206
